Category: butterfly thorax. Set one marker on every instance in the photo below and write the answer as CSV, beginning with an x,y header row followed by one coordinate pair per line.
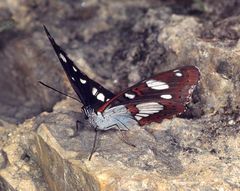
x,y
114,118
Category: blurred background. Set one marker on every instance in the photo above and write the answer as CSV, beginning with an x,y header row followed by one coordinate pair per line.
x,y
115,42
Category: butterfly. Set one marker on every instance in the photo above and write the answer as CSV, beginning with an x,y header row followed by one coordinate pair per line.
x,y
159,97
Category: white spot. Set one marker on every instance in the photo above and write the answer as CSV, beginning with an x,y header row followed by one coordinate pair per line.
x,y
73,78
176,70
101,97
130,96
178,74
94,91
75,69
62,58
157,85
138,118
149,107
83,81
149,111
142,115
166,96
107,99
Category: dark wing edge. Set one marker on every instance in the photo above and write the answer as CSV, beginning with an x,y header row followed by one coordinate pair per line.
x,y
90,92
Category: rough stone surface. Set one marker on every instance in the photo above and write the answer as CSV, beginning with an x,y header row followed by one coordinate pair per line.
x,y
176,154
118,43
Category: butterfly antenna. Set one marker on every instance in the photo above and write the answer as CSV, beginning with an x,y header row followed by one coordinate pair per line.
x,y
94,144
58,91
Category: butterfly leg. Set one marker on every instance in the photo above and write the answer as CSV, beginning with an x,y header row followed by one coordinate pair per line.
x,y
124,138
76,129
121,129
94,144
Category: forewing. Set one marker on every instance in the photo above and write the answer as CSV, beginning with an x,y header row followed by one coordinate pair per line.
x,y
162,96
90,92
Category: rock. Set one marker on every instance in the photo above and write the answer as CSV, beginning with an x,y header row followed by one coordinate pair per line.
x,y
177,153
118,43
18,170
185,46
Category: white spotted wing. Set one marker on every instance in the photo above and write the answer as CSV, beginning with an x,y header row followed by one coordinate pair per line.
x,y
90,92
161,96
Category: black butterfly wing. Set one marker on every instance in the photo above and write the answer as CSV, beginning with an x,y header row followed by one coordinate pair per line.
x,y
90,92
161,96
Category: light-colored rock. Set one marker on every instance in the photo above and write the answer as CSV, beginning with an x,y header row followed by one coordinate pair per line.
x,y
123,42
19,171
177,154
181,38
